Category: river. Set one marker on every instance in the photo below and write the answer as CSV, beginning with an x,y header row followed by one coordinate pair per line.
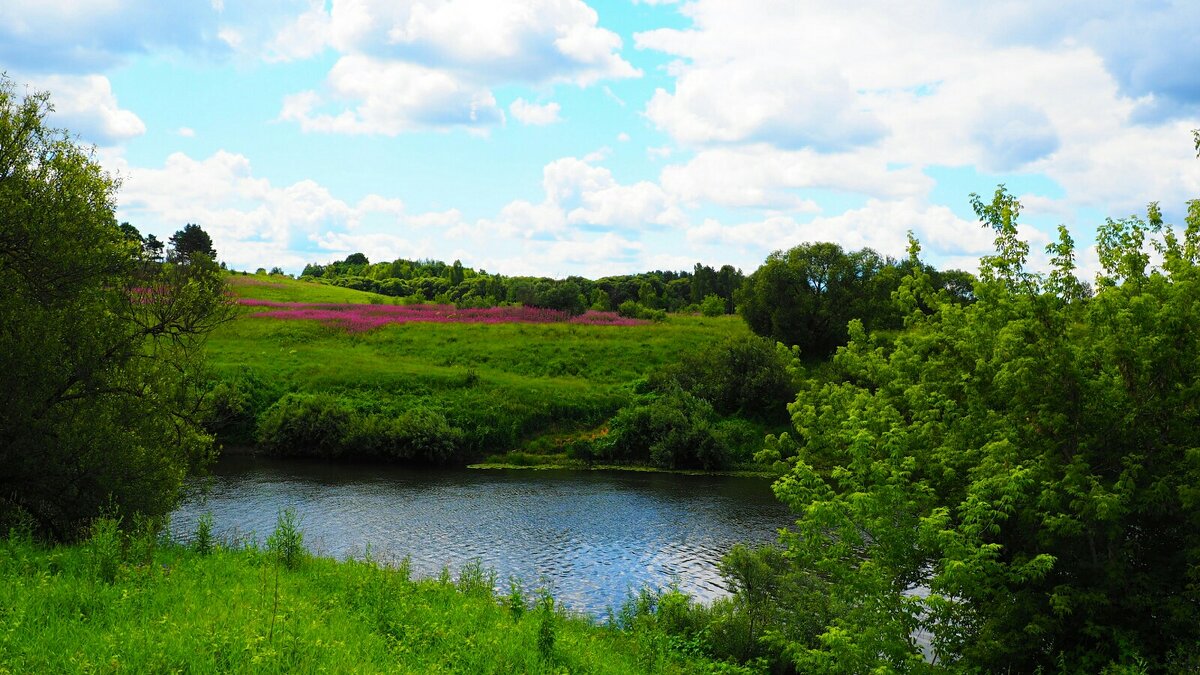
x,y
590,537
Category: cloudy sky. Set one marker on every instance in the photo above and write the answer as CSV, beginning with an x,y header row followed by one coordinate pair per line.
x,y
569,137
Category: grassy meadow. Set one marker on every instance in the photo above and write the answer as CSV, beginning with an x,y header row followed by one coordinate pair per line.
x,y
506,386
115,604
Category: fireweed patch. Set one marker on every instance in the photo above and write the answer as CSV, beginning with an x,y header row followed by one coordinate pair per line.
x,y
358,318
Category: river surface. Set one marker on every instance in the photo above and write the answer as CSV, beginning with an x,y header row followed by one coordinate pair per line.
x,y
590,537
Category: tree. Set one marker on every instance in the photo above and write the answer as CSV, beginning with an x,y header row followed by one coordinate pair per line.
x,y
191,239
806,296
99,352
152,248
1028,459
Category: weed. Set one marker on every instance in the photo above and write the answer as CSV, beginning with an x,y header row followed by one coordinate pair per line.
x,y
202,541
286,543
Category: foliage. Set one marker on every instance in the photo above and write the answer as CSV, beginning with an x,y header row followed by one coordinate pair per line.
x,y
672,430
712,305
286,543
746,375
433,280
99,352
806,296
1029,460
189,241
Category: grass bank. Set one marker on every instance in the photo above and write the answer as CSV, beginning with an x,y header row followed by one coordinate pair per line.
x,y
488,388
111,604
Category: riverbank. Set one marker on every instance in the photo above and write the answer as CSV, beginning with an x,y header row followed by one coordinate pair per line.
x,y
135,604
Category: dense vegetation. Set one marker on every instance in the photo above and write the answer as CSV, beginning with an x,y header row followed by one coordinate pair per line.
x,y
99,345
1029,460
807,295
634,294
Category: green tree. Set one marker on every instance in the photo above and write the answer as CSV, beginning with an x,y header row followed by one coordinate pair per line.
x,y
188,241
1029,460
99,353
805,296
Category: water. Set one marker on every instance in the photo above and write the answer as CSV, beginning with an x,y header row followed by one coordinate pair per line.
x,y
590,537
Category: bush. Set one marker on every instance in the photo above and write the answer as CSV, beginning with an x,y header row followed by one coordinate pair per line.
x,y
748,376
286,543
671,430
306,424
420,434
712,305
633,309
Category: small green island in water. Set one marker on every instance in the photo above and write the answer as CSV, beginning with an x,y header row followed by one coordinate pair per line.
x,y
992,472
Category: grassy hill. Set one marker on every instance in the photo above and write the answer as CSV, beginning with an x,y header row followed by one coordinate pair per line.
x,y
504,386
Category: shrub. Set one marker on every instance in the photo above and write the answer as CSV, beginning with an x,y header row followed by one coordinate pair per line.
x,y
306,424
632,309
712,305
671,430
748,376
202,541
105,549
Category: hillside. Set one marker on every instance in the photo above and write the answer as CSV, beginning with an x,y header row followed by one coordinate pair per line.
x,y
504,385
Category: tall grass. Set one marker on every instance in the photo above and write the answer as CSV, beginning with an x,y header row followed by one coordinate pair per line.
x,y
238,609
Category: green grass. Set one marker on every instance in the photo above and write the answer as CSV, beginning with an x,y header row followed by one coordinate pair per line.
x,y
504,384
169,609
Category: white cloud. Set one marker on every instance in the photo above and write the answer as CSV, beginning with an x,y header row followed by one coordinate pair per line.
x,y
186,132
533,114
89,36
394,97
456,52
252,222
623,137
86,105
776,96
880,225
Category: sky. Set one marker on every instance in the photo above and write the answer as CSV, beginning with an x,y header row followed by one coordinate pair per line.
x,y
558,137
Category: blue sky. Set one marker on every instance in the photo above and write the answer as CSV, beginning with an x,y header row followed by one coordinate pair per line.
x,y
569,137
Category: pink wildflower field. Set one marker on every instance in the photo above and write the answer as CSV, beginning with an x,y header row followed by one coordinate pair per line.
x,y
360,317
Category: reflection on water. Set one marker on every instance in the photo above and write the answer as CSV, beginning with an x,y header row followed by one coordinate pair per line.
x,y
590,537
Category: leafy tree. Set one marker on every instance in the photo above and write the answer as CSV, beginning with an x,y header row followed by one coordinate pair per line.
x,y
806,296
1029,459
99,353
188,241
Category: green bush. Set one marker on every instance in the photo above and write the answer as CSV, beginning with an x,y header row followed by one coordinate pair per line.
x,y
286,543
306,424
747,376
671,430
712,305
632,309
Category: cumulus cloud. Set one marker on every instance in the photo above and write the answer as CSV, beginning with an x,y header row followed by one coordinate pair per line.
x,y
533,114
881,225
457,51
252,222
87,36
393,97
776,96
86,105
